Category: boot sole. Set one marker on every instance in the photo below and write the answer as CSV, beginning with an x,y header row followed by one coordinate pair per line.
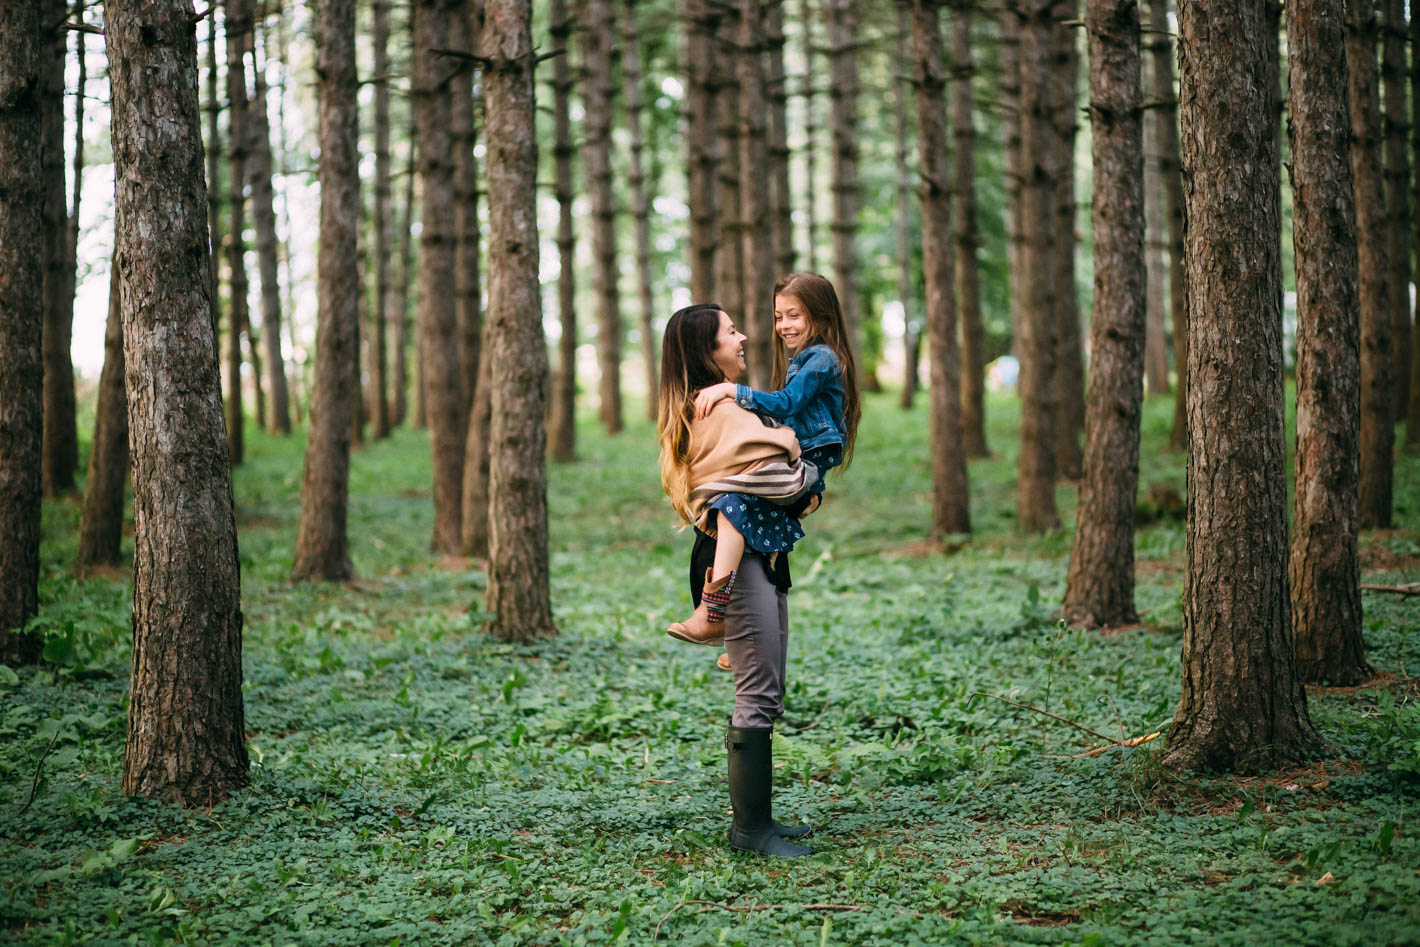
x,y
681,633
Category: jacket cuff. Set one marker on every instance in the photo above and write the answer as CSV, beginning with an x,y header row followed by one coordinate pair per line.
x,y
744,397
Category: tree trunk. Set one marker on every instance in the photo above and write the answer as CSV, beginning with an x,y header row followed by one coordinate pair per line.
x,y
781,203
399,308
1324,571
1412,423
379,328
1156,356
950,508
729,290
71,247
1011,23
236,25
757,238
254,360
1242,706
101,525
474,538
842,25
438,314
61,442
213,148
1397,196
298,391
1164,117
186,735
907,265
1099,589
702,19
322,545
1069,366
968,273
811,132
597,94
468,290
1377,391
263,207
22,313
518,557
1038,275
640,203
564,383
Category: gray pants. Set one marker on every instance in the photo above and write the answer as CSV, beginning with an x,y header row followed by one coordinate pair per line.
x,y
757,640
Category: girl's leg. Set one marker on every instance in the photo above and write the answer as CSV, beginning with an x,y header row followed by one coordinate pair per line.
x,y
706,624
729,548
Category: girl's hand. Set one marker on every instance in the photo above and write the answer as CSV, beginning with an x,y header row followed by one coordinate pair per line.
x,y
706,400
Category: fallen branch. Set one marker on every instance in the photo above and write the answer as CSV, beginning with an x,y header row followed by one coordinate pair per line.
x,y
1077,726
1411,589
717,906
1132,741
800,728
39,768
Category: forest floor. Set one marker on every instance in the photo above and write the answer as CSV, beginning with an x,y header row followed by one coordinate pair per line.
x,y
414,781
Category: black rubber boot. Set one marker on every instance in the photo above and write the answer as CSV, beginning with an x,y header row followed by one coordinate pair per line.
x,y
751,765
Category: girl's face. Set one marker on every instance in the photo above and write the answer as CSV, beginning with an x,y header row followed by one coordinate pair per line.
x,y
791,321
729,354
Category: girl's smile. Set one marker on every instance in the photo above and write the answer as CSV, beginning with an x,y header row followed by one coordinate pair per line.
x,y
791,321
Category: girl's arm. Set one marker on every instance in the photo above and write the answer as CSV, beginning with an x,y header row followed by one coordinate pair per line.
x,y
820,368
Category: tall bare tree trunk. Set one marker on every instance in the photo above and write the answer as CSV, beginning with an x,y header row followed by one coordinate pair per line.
x,y
213,147
237,25
1156,337
438,314
1164,117
322,544
968,272
757,235
640,203
468,288
1324,570
729,263
263,208
399,308
1039,274
1377,376
61,442
809,90
906,260
1099,589
1012,21
842,25
781,203
379,324
1242,707
564,384
1069,366
518,558
22,264
298,389
951,511
186,736
1397,195
71,247
1412,423
597,94
101,524
703,150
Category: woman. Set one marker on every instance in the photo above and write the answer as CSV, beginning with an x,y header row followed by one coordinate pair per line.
x,y
735,450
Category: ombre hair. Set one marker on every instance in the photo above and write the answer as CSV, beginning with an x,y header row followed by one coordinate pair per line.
x,y
687,365
826,327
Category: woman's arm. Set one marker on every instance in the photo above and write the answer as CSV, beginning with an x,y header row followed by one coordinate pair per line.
x,y
813,375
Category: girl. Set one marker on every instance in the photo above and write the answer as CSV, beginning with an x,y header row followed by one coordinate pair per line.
x,y
817,397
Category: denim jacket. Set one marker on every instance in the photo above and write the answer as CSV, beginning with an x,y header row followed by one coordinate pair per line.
x,y
811,401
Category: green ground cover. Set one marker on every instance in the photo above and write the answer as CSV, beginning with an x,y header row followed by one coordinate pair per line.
x,y
415,781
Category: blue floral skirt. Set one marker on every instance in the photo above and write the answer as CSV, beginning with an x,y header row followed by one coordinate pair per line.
x,y
766,526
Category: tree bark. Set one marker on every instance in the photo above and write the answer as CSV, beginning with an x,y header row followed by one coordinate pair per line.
x,y
781,203
438,314
399,308
842,25
564,389
1069,365
729,290
1324,570
263,206
1377,376
597,94
101,524
907,265
701,20
213,147
809,92
1011,24
236,25
757,236
61,442
640,203
1412,423
518,557
22,314
322,544
1099,589
1243,707
951,512
1164,117
379,328
71,248
186,737
1156,339
468,289
473,540
1039,275
1395,124
968,273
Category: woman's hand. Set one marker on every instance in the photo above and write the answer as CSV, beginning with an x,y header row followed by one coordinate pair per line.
x,y
706,400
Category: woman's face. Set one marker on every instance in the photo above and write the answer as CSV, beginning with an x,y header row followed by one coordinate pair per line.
x,y
791,321
729,355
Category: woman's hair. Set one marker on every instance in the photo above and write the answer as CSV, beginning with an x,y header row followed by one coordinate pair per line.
x,y
687,365
826,327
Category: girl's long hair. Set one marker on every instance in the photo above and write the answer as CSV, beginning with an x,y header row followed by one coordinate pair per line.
x,y
826,327
687,365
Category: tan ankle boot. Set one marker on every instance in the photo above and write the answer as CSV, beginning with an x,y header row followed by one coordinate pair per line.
x,y
707,624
